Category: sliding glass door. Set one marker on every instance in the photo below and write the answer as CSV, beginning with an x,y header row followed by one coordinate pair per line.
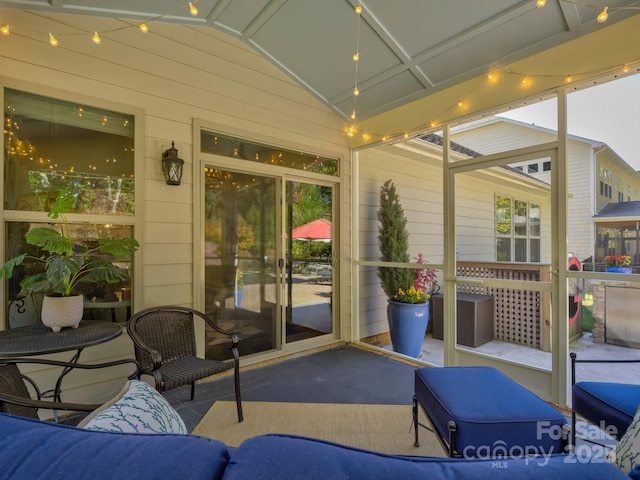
x,y
309,264
241,259
269,281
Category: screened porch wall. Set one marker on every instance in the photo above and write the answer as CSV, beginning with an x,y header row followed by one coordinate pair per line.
x,y
419,185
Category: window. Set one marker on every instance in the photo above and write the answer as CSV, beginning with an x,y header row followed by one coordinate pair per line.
x,y
532,168
217,144
517,230
51,144
546,166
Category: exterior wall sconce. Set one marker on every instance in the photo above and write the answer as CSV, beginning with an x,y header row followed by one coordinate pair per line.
x,y
172,165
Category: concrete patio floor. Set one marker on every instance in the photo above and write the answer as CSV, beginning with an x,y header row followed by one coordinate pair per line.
x,y
433,353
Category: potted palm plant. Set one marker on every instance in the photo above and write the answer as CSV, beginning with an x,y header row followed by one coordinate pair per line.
x,y
67,265
408,307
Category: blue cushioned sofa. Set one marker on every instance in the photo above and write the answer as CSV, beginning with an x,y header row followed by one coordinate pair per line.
x,y
31,449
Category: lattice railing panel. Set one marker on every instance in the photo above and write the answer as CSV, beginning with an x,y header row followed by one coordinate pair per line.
x,y
518,314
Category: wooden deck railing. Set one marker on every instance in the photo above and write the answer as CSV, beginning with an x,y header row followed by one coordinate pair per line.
x,y
520,316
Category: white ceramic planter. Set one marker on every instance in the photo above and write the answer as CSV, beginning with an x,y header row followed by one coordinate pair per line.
x,y
58,312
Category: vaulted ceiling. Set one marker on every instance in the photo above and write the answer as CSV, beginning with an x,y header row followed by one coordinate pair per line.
x,y
417,58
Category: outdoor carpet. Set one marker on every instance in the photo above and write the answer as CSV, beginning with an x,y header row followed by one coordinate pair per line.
x,y
380,428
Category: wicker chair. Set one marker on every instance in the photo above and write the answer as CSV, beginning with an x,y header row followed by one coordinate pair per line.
x,y
15,398
165,346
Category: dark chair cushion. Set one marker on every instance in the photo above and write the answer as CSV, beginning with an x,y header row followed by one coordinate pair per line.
x,y
615,404
32,449
491,411
273,457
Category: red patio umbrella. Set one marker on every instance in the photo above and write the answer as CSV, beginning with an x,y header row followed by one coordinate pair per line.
x,y
318,230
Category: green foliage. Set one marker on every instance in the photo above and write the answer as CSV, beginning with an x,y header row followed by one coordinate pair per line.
x,y
393,240
67,265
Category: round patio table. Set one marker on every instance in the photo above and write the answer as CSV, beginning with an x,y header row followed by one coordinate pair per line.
x,y
39,339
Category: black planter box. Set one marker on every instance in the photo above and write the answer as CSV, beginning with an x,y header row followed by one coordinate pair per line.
x,y
474,316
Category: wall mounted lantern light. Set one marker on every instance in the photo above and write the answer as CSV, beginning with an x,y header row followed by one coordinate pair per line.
x,y
172,165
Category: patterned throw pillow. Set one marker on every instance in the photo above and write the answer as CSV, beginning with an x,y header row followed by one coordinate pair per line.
x,y
627,453
138,408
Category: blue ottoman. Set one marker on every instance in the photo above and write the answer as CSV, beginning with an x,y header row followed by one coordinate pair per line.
x,y
611,406
480,412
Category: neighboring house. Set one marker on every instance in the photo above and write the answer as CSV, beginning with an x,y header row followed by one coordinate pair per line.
x,y
618,231
597,176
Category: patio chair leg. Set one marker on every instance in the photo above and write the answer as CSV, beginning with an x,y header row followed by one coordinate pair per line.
x,y
193,389
237,385
416,443
572,436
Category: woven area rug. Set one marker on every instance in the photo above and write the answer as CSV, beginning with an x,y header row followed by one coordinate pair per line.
x,y
380,428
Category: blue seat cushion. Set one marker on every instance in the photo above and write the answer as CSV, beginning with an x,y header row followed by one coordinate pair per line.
x,y
275,457
32,449
492,413
615,404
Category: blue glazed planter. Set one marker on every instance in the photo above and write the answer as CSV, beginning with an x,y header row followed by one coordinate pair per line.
x,y
614,269
239,299
408,326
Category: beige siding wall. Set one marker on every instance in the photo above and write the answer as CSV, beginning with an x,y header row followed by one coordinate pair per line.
x,y
419,184
217,80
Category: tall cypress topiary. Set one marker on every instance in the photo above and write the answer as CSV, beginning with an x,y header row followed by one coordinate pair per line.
x,y
393,240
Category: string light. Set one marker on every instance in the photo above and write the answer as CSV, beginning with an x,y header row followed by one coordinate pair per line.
x,y
356,59
525,80
603,15
604,11
143,26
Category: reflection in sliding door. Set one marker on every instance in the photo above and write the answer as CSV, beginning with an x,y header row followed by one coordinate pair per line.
x,y
240,260
309,275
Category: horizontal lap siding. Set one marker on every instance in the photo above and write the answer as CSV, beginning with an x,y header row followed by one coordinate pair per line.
x,y
174,74
220,81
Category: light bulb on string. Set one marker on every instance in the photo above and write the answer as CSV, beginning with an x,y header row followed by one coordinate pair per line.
x,y
144,28
569,78
353,115
96,38
356,92
626,68
193,10
53,41
541,3
5,30
603,15
356,57
358,9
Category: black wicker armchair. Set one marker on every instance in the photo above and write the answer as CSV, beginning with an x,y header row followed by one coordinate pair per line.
x,y
165,346
15,386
